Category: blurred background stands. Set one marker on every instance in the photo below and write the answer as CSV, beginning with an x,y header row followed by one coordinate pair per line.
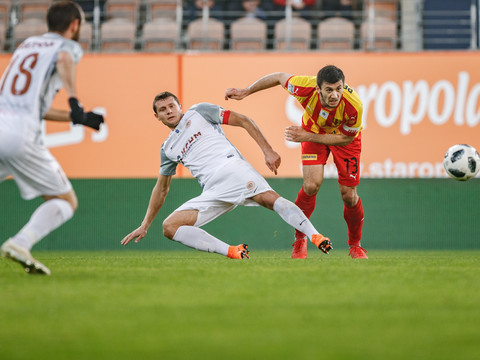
x,y
257,25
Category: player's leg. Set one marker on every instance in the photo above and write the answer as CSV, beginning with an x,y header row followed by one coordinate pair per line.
x,y
347,160
37,173
183,226
293,216
314,157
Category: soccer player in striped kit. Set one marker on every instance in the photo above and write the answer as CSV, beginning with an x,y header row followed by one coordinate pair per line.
x,y
331,123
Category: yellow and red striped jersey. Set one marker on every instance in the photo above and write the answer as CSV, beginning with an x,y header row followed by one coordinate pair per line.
x,y
346,118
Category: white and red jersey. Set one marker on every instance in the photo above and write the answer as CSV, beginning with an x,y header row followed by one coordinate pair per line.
x,y
30,83
199,143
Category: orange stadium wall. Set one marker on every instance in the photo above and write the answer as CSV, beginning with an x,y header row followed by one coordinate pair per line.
x,y
415,107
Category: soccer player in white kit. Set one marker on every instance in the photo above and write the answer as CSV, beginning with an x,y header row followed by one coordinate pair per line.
x,y
198,142
39,68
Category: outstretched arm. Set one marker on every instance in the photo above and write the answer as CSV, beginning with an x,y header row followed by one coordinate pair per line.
x,y
265,82
159,193
272,159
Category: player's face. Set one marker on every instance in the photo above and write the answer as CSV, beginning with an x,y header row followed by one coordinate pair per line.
x,y
330,94
169,112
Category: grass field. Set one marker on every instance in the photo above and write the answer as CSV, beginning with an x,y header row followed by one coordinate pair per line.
x,y
193,305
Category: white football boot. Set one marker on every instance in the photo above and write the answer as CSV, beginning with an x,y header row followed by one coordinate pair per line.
x,y
10,250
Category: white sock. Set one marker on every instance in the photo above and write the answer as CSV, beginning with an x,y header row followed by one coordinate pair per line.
x,y
199,239
293,216
46,218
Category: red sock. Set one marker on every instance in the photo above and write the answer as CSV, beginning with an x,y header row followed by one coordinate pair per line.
x,y
306,203
354,219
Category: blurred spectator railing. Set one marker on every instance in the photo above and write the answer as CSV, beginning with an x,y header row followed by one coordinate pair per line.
x,y
378,25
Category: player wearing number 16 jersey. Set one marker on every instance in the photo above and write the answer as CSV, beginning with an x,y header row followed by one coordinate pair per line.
x,y
331,123
39,67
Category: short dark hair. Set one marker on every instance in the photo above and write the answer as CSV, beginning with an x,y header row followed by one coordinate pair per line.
x,y
330,74
162,96
61,14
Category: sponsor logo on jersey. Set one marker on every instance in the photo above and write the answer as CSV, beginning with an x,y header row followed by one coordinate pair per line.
x,y
189,143
309,157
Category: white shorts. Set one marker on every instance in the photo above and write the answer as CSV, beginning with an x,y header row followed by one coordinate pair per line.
x,y
235,184
33,167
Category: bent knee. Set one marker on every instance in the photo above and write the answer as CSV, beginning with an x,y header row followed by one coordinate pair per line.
x,y
169,229
350,199
311,188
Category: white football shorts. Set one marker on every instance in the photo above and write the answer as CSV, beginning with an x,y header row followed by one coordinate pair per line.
x,y
32,166
234,184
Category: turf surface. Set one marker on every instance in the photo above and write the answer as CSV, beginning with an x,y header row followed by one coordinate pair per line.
x,y
193,305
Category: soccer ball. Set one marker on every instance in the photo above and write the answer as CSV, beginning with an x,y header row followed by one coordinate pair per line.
x,y
461,162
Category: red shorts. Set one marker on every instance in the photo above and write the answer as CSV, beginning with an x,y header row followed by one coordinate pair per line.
x,y
346,159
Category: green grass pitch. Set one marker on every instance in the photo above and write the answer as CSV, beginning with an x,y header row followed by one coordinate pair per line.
x,y
194,305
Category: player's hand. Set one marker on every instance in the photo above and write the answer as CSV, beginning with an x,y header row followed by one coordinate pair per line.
x,y
137,234
296,134
79,116
273,160
235,93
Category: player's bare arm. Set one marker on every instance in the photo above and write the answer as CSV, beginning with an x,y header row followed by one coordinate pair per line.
x,y
265,82
159,193
299,134
272,158
57,115
67,71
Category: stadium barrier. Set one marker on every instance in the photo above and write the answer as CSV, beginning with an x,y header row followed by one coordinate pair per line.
x,y
399,214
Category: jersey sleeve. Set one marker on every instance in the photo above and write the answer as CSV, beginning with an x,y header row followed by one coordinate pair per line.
x,y
301,87
212,113
73,48
167,166
353,113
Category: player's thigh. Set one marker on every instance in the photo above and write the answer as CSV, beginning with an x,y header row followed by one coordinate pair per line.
x,y
347,161
312,178
208,208
38,173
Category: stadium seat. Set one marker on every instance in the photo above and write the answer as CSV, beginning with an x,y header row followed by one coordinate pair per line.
x,y
33,9
86,36
336,33
381,9
379,34
248,33
26,28
208,35
156,9
293,36
161,34
122,9
5,8
117,35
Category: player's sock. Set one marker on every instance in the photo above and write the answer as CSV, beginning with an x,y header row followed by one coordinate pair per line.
x,y
307,204
46,218
293,216
199,239
354,219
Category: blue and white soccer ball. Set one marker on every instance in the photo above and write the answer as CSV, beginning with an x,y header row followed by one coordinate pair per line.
x,y
461,162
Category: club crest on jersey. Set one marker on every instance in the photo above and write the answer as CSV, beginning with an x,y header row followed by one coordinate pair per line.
x,y
250,185
336,122
188,123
